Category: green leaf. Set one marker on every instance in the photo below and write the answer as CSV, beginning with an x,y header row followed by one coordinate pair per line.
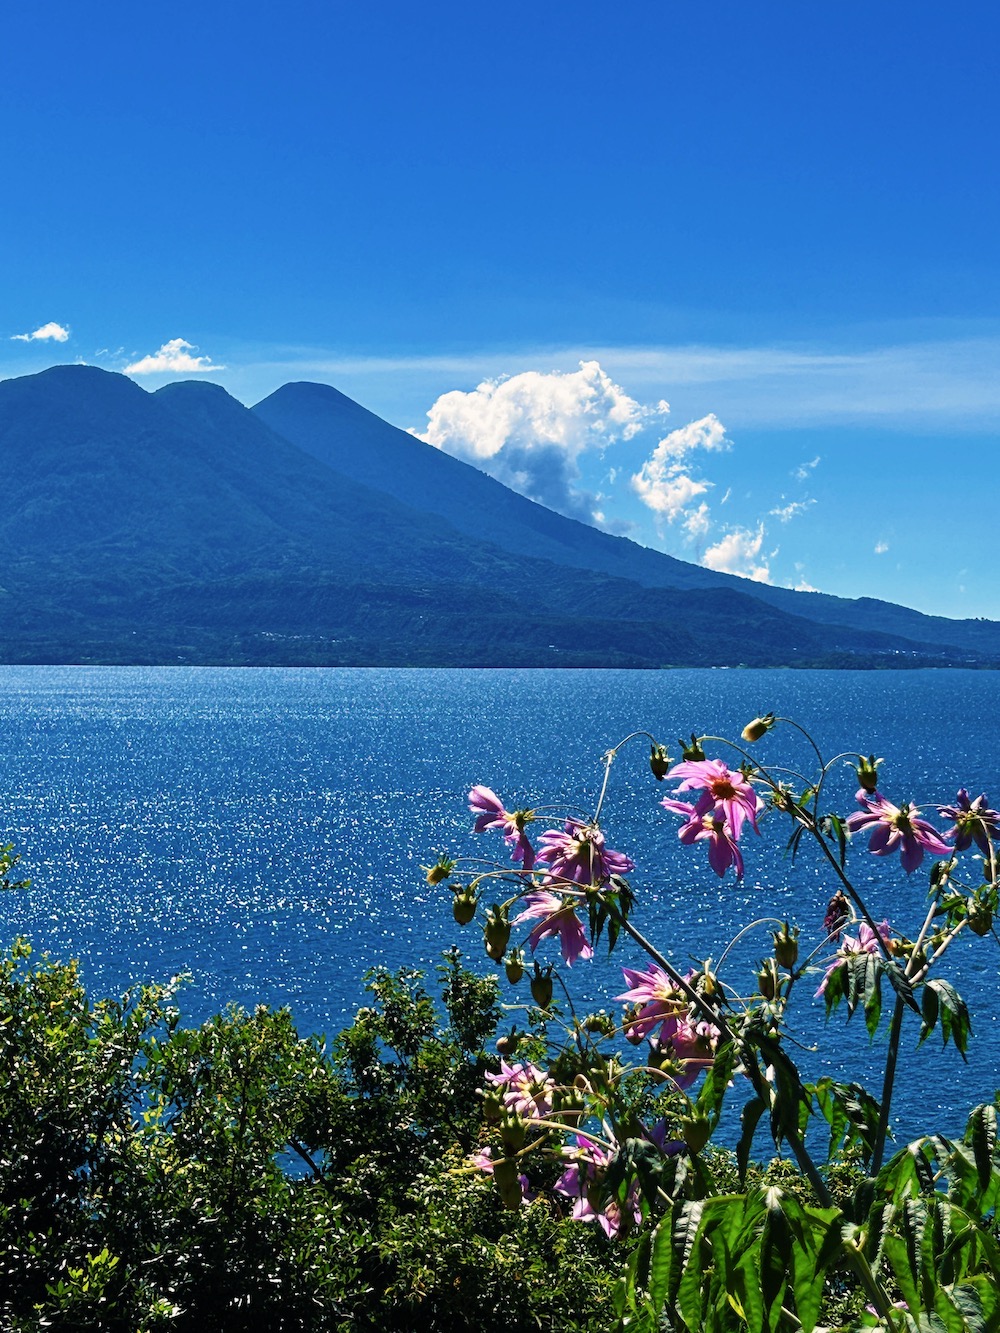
x,y
748,1121
981,1134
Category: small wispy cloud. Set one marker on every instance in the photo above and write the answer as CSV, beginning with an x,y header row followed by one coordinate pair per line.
x,y
665,482
785,513
173,358
881,548
51,332
801,473
739,552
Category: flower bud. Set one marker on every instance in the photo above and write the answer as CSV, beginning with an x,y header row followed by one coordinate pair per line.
x,y
760,726
440,871
508,1182
659,761
514,966
492,1105
786,946
509,1044
692,753
767,980
463,906
980,917
601,1024
541,987
695,1131
867,771
513,1132
497,932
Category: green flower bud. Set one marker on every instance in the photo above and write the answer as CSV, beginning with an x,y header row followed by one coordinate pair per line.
x,y
760,726
507,1179
980,917
767,980
786,946
492,1105
497,932
440,871
659,761
509,1044
514,966
513,1132
541,987
691,753
463,906
867,771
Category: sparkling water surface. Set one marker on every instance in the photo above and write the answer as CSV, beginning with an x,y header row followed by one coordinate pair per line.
x,y
264,830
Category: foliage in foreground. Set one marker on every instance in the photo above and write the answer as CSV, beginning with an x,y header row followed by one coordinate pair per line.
x,y
236,1176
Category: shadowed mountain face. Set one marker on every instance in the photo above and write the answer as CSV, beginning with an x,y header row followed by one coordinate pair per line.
x,y
361,445
179,526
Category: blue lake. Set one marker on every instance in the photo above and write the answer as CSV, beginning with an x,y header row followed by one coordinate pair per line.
x,y
264,830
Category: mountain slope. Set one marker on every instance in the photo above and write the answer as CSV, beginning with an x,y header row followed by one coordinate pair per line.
x,y
178,526
361,445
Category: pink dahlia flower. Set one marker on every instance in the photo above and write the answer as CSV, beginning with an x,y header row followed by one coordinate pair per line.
x,y
702,823
866,942
555,916
896,828
734,799
588,1163
973,822
489,810
577,852
527,1090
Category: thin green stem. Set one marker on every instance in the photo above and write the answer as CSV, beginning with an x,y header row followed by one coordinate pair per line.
x,y
888,1082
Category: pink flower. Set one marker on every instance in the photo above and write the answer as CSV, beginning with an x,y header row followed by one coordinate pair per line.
x,y
555,916
486,805
663,1003
867,942
527,1089
577,852
579,1182
704,824
896,827
973,822
689,1042
734,799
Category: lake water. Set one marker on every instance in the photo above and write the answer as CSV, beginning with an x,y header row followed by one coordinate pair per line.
x,y
264,829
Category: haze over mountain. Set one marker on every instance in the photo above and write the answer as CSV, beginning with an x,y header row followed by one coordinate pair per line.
x,y
182,526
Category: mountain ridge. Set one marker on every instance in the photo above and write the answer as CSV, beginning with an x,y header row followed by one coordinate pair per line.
x,y
182,526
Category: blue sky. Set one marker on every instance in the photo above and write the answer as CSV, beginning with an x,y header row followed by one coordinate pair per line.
x,y
781,219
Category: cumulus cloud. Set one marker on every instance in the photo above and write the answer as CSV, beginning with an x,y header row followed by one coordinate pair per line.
x,y
665,482
529,430
47,333
801,473
785,513
881,548
173,358
739,552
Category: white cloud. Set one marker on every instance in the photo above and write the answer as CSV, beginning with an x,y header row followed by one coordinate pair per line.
x,y
173,358
47,333
801,473
785,513
881,548
529,430
739,552
696,522
664,482
804,586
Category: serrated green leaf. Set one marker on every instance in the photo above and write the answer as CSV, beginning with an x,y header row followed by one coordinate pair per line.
x,y
981,1135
